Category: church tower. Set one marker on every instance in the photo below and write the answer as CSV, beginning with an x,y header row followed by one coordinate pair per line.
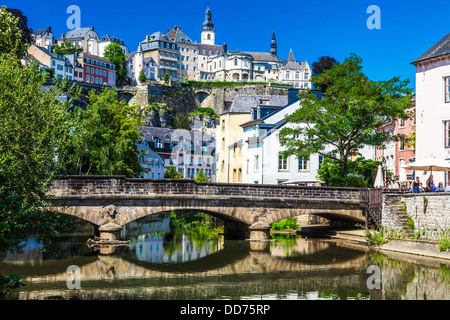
x,y
208,32
273,45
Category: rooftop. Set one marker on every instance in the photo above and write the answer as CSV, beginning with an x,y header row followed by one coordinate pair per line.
x,y
439,49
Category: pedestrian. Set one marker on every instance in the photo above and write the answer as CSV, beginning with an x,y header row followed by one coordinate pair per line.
x,y
430,184
440,187
416,185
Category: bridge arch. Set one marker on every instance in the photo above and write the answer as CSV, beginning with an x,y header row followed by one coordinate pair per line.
x,y
118,200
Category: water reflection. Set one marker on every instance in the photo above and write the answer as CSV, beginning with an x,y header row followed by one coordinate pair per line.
x,y
161,265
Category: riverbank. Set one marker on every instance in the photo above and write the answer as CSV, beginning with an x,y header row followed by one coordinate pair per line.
x,y
429,249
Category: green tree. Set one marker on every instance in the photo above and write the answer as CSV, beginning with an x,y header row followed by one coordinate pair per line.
x,y
104,138
319,67
348,117
172,173
33,130
142,76
166,77
201,176
361,173
67,47
182,121
114,53
11,35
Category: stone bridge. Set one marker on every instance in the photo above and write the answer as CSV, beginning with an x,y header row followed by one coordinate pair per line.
x,y
248,211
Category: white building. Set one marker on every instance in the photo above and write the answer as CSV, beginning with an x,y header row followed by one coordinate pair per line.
x,y
262,151
263,158
433,106
107,40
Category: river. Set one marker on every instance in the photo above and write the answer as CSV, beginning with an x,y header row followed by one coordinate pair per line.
x,y
161,264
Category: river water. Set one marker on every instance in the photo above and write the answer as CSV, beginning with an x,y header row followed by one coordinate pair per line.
x,y
159,264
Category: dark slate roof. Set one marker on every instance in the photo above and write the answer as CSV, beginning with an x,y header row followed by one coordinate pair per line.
x,y
439,49
263,56
78,33
40,32
178,36
108,38
96,58
168,135
208,47
244,103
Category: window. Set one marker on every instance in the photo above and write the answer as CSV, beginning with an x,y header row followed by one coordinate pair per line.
x,y
401,123
402,143
282,162
447,134
256,162
447,89
303,164
222,166
235,62
234,175
239,174
320,161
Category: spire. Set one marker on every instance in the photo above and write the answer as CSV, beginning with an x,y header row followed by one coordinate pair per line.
x,y
273,45
291,56
208,23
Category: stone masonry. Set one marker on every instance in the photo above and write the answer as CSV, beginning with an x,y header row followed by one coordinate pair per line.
x,y
106,200
429,211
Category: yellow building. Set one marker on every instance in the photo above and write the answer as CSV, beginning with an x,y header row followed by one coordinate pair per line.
x,y
229,135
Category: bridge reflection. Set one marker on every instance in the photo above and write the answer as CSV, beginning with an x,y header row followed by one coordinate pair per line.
x,y
234,270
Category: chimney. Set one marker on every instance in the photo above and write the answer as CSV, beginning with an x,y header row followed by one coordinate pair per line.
x,y
49,29
92,28
225,47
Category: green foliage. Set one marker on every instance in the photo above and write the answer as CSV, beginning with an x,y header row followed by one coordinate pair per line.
x,y
286,224
182,121
113,52
11,35
9,283
209,112
348,117
172,173
201,177
34,128
67,47
361,172
142,77
375,238
410,222
166,77
444,240
104,137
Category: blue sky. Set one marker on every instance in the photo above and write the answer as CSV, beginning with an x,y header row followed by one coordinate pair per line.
x,y
310,28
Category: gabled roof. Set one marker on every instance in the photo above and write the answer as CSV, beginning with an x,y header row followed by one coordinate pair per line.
x,y
439,49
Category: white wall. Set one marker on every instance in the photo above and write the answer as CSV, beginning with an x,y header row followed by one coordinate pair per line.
x,y
431,111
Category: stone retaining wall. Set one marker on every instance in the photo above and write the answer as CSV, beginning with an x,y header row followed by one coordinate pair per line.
x,y
429,211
